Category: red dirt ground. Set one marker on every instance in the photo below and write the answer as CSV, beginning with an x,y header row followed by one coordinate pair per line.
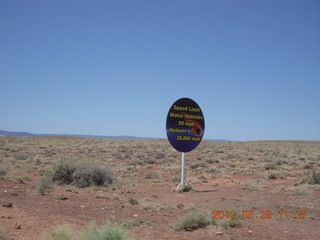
x,y
32,214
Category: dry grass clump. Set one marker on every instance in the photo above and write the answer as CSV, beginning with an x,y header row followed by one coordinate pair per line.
x,y
62,173
45,184
88,174
270,166
255,184
311,179
315,177
83,175
2,234
276,175
108,231
191,222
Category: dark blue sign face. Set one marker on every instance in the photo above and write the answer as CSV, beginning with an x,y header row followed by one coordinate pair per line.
x,y
185,125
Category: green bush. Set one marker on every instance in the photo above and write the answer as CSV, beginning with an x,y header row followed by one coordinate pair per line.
x,y
88,174
106,232
62,173
236,222
133,201
60,233
2,235
191,222
45,184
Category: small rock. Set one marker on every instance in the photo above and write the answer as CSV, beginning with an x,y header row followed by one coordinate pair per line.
x,y
249,231
8,205
135,215
17,226
219,233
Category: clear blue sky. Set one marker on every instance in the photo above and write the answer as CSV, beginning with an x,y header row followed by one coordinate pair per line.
x,y
116,67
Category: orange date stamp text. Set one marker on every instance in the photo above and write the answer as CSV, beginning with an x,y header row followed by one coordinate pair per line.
x,y
249,214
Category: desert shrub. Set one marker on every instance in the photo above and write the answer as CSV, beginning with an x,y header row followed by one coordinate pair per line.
x,y
267,159
219,151
213,170
191,222
221,166
233,222
270,166
133,201
180,206
135,163
236,222
62,173
88,174
152,176
315,177
281,162
210,161
176,179
307,166
150,161
231,156
107,231
45,184
2,235
60,233
255,184
160,155
2,172
130,224
197,165
276,176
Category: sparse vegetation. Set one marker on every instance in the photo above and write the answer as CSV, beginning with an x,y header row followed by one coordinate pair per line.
x,y
108,231
133,201
62,173
60,233
251,169
88,174
2,172
2,234
152,176
270,166
233,223
315,177
191,222
45,184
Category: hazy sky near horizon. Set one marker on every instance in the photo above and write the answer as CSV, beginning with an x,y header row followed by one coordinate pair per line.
x,y
116,67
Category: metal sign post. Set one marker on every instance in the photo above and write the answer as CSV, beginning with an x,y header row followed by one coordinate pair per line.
x,y
183,180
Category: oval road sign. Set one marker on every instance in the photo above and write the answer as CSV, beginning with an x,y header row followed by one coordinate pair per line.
x,y
185,125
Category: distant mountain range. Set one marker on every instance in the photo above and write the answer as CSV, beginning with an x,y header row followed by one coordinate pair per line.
x,y
26,134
